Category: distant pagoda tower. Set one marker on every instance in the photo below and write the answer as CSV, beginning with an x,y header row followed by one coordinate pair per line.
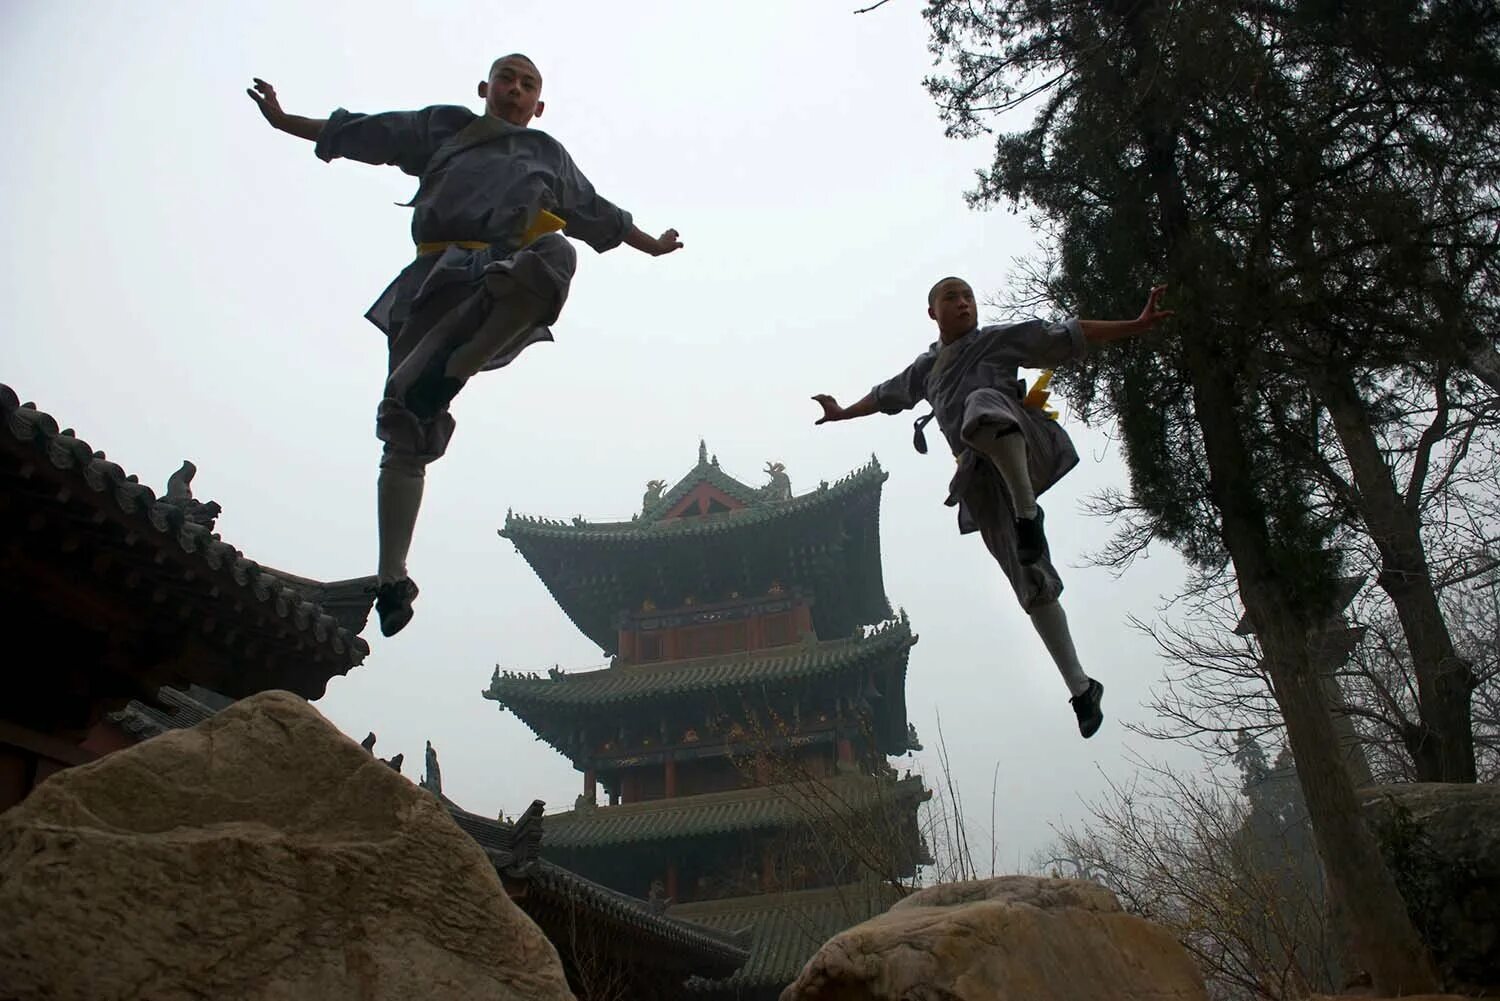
x,y
757,685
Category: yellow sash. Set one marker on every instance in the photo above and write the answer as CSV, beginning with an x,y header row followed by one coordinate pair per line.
x,y
1036,398
1038,395
545,222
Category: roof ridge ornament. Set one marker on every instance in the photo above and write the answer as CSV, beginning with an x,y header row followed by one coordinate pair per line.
x,y
653,494
702,452
780,487
432,778
179,494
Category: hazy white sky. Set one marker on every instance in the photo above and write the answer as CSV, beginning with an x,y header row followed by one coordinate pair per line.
x,y
182,282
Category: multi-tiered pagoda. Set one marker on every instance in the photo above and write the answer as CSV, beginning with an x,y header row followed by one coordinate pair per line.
x,y
741,732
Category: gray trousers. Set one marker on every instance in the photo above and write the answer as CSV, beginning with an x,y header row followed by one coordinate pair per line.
x,y
988,503
453,334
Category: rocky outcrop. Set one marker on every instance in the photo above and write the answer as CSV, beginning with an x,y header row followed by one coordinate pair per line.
x,y
259,855
1442,842
1005,939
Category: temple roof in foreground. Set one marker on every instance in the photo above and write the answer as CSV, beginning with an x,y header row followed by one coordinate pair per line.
x,y
134,561
785,929
559,893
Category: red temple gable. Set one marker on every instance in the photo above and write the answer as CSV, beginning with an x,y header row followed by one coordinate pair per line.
x,y
703,499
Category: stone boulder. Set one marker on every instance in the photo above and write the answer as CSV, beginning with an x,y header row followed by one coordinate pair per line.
x,y
1442,843
1004,939
260,855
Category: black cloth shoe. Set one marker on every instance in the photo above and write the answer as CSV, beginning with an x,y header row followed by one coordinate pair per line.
x,y
1086,708
1031,543
393,605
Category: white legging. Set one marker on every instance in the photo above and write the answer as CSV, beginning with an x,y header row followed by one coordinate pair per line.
x,y
1007,451
398,498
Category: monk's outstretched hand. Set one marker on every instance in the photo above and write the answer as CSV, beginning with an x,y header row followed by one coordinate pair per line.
x,y
666,243
264,96
1153,313
831,409
656,246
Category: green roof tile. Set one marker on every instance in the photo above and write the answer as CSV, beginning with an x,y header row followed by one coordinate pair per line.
x,y
760,808
529,694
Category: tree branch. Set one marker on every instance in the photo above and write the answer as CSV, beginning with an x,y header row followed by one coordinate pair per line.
x,y
1431,435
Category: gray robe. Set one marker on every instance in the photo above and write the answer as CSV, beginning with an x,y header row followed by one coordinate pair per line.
x,y
481,179
974,388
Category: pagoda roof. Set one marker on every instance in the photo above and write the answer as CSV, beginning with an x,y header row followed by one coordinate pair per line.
x,y
773,807
160,557
826,541
531,696
785,929
759,509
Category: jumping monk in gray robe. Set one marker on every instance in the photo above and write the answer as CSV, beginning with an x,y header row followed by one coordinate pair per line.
x,y
490,274
1008,452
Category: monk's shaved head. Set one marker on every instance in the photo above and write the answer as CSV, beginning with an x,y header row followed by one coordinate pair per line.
x,y
951,303
932,293
520,57
513,92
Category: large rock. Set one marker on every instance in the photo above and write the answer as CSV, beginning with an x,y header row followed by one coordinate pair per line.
x,y
260,855
1442,843
1005,939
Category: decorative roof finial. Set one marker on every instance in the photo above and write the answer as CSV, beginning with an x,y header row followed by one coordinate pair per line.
x,y
702,452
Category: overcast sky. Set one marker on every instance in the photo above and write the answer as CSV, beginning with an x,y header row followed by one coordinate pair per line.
x,y
180,281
